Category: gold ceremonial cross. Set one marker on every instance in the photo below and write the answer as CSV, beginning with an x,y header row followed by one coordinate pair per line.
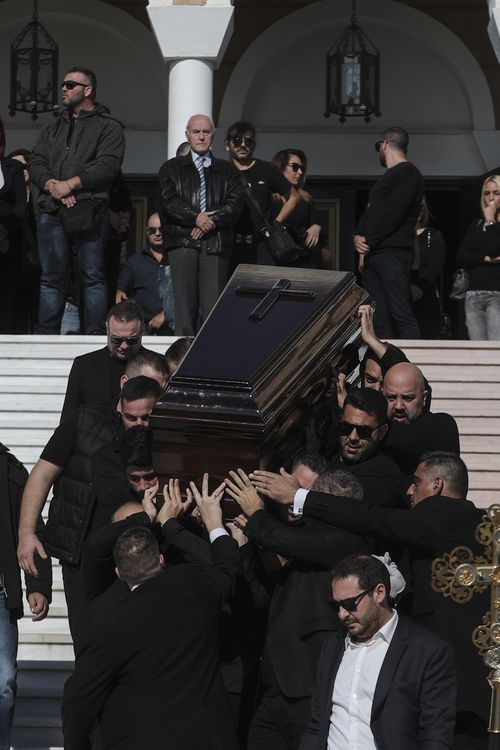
x,y
458,574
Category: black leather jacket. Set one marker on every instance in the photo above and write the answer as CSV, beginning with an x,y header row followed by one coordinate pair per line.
x,y
180,196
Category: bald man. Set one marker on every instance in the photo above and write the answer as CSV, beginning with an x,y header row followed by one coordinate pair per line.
x,y
201,200
413,429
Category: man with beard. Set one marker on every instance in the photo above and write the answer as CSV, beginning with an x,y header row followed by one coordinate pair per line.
x,y
413,429
384,682
385,237
262,179
73,164
362,430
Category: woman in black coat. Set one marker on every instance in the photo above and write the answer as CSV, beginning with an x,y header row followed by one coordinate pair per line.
x,y
302,223
12,213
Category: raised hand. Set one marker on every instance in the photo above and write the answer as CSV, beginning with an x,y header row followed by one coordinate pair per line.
x,y
241,489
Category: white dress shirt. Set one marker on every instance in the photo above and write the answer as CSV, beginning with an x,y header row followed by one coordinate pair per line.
x,y
207,158
354,689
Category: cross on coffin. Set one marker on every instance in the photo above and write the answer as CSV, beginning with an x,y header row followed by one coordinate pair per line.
x,y
459,574
280,289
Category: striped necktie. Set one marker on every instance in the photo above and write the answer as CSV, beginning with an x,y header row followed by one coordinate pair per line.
x,y
200,166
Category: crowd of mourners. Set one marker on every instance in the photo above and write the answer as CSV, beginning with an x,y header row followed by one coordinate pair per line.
x,y
302,617
65,212
305,617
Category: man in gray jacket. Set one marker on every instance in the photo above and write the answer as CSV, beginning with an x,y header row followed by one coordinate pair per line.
x,y
73,165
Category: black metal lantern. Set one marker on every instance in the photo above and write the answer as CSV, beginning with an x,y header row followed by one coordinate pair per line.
x,y
353,74
33,70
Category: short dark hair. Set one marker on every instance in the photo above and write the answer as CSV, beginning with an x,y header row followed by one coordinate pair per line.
x,y
339,482
146,358
450,468
126,311
140,387
398,137
136,446
368,400
368,570
178,350
237,129
136,554
89,74
314,461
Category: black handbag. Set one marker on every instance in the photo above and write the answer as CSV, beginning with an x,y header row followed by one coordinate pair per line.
x,y
82,217
282,247
460,284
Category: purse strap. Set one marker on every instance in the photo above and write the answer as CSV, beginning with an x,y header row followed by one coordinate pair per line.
x,y
265,223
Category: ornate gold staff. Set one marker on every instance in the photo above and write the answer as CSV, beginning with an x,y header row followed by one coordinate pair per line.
x,y
459,574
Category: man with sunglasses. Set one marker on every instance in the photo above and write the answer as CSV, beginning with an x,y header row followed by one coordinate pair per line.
x,y
362,430
94,377
385,237
262,179
384,682
146,277
73,164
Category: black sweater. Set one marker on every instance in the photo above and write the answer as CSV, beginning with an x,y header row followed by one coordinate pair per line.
x,y
478,243
392,212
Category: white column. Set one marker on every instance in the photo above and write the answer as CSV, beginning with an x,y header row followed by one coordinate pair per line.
x,y
193,39
189,93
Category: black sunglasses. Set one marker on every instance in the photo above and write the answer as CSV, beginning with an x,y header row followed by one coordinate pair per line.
x,y
70,85
351,603
153,230
130,340
238,140
295,166
364,431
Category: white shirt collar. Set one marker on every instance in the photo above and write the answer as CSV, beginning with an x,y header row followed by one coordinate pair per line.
x,y
385,633
207,157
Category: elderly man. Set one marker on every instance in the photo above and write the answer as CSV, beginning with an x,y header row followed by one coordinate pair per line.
x,y
201,199
73,164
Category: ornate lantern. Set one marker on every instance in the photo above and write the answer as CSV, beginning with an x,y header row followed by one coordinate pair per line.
x,y
33,70
353,74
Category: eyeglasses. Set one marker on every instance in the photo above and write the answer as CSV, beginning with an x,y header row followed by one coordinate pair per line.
x,y
153,230
350,604
364,431
295,166
239,140
70,85
129,340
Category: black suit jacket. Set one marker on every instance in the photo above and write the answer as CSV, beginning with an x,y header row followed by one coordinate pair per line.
x,y
94,378
299,614
414,701
149,668
435,526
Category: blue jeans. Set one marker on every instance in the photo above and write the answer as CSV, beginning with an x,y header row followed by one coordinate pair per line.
x,y
54,252
167,295
482,315
386,278
8,670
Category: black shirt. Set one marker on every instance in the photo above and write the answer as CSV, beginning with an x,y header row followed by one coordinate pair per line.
x,y
475,246
139,278
382,480
392,212
263,179
405,443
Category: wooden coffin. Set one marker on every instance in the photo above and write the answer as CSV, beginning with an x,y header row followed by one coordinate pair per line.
x,y
241,395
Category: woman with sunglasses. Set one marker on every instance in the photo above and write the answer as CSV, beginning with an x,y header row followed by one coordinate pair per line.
x,y
302,222
12,213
